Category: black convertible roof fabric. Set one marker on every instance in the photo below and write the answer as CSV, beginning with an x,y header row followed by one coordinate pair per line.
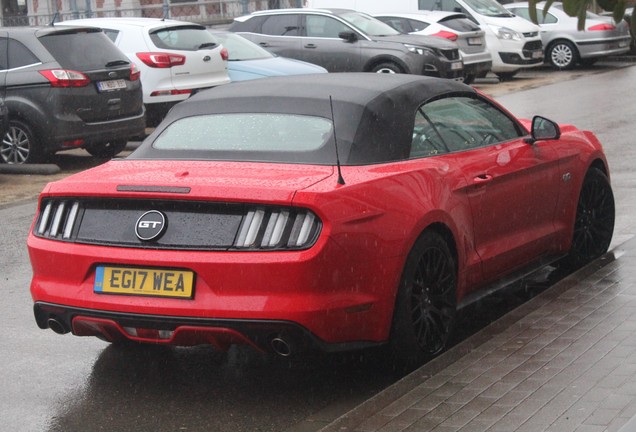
x,y
373,113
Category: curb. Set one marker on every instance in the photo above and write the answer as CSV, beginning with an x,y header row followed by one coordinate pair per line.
x,y
37,169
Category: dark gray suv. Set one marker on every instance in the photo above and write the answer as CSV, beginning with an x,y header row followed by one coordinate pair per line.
x,y
342,40
66,88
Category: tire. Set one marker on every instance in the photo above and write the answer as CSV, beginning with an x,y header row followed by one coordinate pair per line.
x,y
594,223
506,76
20,146
562,55
107,150
425,307
469,79
387,67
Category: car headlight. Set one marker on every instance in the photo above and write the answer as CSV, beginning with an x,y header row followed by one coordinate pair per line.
x,y
418,49
505,33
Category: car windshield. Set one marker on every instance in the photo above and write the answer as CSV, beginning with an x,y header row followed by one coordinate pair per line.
x,y
489,8
187,38
368,25
240,48
268,137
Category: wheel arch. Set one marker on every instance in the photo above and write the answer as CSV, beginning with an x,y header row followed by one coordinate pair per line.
x,y
27,112
385,59
556,40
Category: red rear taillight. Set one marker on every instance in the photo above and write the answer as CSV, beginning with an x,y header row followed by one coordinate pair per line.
x,y
225,54
134,72
161,59
65,78
606,27
170,92
446,35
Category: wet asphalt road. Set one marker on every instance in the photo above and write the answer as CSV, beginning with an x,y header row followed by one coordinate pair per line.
x,y
65,383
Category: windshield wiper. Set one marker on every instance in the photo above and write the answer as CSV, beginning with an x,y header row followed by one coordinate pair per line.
x,y
207,45
117,63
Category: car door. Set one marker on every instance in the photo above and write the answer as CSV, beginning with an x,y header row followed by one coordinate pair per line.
x,y
322,45
513,186
279,34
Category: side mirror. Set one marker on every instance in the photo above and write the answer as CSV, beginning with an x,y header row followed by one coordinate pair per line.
x,y
348,36
543,129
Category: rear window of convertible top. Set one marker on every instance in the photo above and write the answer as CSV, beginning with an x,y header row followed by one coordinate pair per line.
x,y
274,137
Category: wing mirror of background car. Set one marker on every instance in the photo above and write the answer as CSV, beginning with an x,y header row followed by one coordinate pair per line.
x,y
543,129
348,36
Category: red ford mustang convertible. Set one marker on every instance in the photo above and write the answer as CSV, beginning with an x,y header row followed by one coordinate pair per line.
x,y
333,211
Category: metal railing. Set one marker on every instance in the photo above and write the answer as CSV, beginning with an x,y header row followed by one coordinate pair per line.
x,y
206,12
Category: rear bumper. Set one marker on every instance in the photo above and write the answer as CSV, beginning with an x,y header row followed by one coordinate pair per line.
x,y
602,48
477,69
271,336
68,130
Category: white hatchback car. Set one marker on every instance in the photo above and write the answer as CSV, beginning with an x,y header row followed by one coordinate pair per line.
x,y
176,58
470,38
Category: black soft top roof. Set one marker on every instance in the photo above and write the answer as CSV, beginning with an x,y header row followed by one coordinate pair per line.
x,y
373,113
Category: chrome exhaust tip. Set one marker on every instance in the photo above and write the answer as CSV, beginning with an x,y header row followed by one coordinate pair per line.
x,y
57,326
281,346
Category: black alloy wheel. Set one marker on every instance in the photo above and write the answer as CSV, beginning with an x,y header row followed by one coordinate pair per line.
x,y
594,223
425,308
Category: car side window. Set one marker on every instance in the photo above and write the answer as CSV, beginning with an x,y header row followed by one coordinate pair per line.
x,y
397,23
112,34
20,56
525,13
282,25
323,26
460,123
4,61
418,25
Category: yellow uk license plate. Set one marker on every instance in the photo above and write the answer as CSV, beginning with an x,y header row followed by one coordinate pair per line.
x,y
144,282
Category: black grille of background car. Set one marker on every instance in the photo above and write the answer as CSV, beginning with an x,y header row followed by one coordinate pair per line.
x,y
189,225
452,54
532,46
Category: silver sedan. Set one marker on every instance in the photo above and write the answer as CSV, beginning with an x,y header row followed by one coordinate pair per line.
x,y
565,45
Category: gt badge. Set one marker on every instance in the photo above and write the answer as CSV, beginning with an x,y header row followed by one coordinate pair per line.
x,y
150,225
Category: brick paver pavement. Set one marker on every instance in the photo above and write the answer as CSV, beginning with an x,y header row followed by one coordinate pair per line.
x,y
564,361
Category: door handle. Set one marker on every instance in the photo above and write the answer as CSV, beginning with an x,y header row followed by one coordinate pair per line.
x,y
263,44
311,46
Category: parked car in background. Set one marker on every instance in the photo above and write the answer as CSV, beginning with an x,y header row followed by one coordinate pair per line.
x,y
328,211
342,40
67,88
249,61
470,38
176,58
514,43
565,45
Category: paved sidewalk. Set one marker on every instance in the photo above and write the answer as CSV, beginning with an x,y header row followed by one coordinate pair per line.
x,y
564,361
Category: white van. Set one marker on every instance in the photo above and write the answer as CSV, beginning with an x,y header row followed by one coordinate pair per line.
x,y
514,42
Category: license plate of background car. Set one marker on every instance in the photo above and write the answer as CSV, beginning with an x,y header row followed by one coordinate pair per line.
x,y
457,65
144,282
537,54
111,85
475,41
